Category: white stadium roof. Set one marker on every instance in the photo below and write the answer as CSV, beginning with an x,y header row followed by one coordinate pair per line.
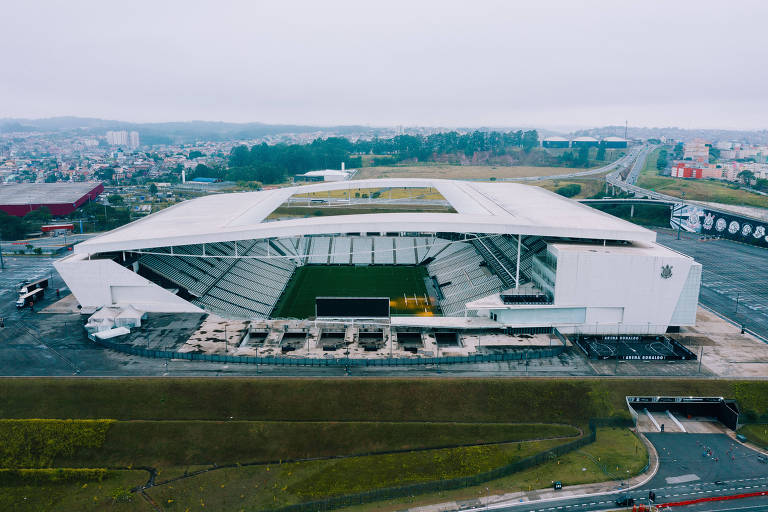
x,y
481,207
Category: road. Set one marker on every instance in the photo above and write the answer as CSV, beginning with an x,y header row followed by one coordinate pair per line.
x,y
619,165
691,466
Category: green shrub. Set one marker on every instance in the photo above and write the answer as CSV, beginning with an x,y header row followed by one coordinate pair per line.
x,y
35,443
569,190
122,495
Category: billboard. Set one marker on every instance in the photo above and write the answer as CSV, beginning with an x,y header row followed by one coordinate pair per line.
x,y
352,307
698,219
734,227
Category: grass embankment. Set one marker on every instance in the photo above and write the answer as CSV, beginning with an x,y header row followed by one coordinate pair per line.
x,y
185,443
570,401
329,401
757,433
697,190
310,282
616,452
262,487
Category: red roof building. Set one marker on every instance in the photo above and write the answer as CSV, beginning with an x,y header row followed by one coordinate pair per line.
x,y
60,198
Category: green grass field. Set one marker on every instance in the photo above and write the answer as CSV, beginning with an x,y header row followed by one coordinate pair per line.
x,y
697,190
309,282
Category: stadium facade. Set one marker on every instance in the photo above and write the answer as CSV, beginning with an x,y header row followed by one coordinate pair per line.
x,y
510,255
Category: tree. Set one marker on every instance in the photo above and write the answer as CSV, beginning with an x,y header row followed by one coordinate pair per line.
x,y
152,188
569,190
746,177
11,227
116,199
195,154
530,140
582,160
600,153
661,160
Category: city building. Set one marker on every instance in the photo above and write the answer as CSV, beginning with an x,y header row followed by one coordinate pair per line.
x,y
123,138
555,142
614,143
580,142
696,150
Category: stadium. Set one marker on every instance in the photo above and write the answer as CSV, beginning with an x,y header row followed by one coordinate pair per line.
x,y
411,253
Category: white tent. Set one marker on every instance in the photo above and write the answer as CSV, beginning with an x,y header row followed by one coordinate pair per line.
x,y
129,317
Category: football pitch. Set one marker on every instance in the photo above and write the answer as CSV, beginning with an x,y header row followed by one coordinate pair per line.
x,y
404,285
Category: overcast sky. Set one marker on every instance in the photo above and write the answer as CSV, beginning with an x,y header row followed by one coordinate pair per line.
x,y
698,63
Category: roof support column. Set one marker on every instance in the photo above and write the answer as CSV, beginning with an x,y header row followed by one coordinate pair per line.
x,y
517,266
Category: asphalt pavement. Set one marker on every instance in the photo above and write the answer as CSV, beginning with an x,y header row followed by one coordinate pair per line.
x,y
691,466
733,282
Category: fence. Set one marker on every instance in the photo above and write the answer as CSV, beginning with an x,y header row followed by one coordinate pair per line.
x,y
457,483
344,362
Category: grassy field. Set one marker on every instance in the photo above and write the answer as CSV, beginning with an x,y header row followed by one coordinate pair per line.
x,y
697,190
75,496
381,193
645,215
590,185
298,300
476,172
285,211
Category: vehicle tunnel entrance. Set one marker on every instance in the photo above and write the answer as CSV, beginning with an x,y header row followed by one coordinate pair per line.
x,y
652,411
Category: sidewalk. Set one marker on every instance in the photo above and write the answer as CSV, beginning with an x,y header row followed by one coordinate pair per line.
x,y
548,494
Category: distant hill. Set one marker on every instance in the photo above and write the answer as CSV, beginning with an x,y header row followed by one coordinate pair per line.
x,y
186,131
684,134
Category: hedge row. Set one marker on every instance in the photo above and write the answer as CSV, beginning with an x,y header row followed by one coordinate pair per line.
x,y
35,443
34,476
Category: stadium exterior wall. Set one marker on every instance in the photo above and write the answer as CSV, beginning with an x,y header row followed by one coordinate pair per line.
x,y
613,290
103,282
57,209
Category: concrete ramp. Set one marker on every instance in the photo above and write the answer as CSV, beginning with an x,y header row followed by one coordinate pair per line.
x,y
646,422
661,418
676,421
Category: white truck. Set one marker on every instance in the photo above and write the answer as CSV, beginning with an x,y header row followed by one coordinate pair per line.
x,y
31,292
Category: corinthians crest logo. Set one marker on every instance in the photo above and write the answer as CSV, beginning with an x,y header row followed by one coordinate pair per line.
x,y
666,271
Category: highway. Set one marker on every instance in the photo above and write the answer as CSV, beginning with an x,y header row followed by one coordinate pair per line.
x,y
691,466
619,165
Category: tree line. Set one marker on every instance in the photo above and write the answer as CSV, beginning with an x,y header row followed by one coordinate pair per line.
x,y
272,164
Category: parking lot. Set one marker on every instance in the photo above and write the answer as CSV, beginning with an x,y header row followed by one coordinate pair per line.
x,y
734,282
